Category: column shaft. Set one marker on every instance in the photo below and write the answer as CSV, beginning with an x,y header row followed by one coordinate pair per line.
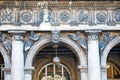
x,y
17,69
94,72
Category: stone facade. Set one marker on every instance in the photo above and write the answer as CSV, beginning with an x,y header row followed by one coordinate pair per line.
x,y
87,30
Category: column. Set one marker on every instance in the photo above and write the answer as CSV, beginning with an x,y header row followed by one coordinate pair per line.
x,y
17,68
94,72
83,72
28,73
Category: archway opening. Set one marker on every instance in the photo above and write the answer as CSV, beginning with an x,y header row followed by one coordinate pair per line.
x,y
113,63
67,67
1,67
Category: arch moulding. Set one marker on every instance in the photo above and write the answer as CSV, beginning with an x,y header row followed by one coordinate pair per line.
x,y
35,48
6,57
107,49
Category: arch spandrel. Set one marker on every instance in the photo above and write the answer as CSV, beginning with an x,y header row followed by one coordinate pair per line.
x,y
36,47
107,49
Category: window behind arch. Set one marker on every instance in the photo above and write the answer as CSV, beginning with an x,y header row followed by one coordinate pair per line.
x,y
53,72
112,72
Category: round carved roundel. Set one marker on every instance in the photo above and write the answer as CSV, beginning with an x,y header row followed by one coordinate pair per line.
x,y
117,15
65,16
101,17
26,16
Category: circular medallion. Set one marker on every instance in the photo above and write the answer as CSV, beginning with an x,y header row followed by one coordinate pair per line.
x,y
101,17
26,16
117,16
65,16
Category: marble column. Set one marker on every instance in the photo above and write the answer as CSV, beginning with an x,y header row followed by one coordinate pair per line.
x,y
28,73
83,72
17,68
94,72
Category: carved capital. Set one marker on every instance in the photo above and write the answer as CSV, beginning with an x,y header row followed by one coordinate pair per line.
x,y
17,35
93,34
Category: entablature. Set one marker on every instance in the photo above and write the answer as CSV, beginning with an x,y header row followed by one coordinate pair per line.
x,y
63,15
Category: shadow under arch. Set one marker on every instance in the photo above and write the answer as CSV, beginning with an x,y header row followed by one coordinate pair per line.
x,y
35,48
107,49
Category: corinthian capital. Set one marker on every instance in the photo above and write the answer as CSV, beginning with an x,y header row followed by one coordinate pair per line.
x,y
17,35
93,34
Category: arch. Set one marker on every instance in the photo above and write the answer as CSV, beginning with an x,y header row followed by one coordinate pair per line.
x,y
34,49
5,56
107,49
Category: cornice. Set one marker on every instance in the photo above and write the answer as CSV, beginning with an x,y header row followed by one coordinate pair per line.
x,y
61,3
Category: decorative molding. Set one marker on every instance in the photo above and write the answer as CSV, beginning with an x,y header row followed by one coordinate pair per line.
x,y
7,16
72,17
76,37
25,16
117,15
101,17
17,37
32,38
83,16
93,34
65,16
55,36
6,42
107,37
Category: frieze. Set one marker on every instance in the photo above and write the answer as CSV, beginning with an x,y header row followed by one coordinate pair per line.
x,y
54,17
